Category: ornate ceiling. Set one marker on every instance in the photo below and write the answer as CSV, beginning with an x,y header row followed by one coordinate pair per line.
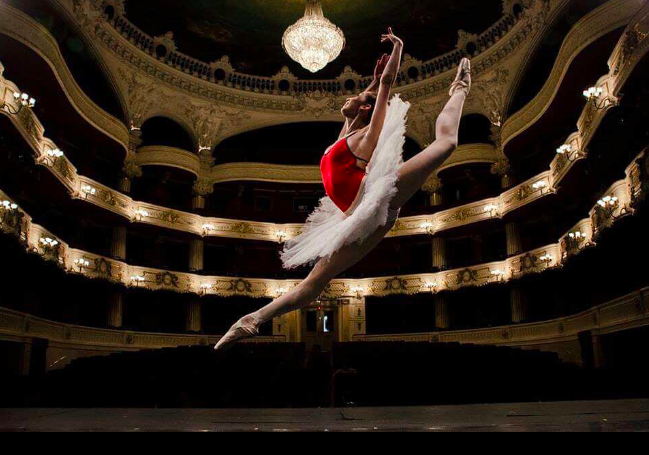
x,y
250,31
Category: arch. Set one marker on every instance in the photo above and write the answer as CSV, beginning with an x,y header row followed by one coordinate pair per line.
x,y
475,129
165,131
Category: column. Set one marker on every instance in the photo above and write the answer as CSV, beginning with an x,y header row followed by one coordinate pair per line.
x,y
352,319
598,353
519,306
115,310
439,254
442,313
118,244
196,255
289,326
194,321
503,169
514,244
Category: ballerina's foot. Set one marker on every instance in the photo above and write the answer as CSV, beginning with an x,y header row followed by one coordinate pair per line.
x,y
246,328
463,79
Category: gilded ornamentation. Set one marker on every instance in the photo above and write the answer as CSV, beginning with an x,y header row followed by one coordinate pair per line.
x,y
103,268
167,279
466,276
241,287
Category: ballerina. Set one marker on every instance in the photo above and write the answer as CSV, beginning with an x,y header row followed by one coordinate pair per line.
x,y
367,183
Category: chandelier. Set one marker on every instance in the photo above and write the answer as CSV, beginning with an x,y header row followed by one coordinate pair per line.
x,y
313,41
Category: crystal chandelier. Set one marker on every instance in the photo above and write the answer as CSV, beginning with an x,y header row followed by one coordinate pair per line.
x,y
313,41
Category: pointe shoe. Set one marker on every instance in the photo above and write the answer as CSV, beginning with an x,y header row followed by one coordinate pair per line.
x,y
463,78
246,328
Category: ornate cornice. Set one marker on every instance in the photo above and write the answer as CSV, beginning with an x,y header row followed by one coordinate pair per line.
x,y
624,194
608,17
631,311
22,28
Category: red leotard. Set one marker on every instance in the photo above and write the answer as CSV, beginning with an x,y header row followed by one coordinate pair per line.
x,y
341,175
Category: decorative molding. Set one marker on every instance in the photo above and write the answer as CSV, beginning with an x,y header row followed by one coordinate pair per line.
x,y
631,311
537,261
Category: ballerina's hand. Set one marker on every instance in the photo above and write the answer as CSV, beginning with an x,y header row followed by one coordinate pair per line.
x,y
380,66
390,36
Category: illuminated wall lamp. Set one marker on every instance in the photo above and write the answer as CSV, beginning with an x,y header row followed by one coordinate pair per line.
x,y
499,275
359,291
55,153
141,214
81,264
491,209
205,288
429,227
23,100
594,94
8,206
570,154
88,190
540,186
208,229
137,280
546,259
430,286
281,236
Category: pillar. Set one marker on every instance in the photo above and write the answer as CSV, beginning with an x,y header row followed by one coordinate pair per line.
x,y
514,244
118,244
439,254
198,202
196,256
115,314
519,306
194,320
352,319
442,313
598,353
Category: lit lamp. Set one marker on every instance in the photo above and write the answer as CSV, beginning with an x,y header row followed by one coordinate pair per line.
x,y
608,205
88,190
281,236
540,186
140,214
8,206
313,41
594,95
499,275
206,288
491,209
53,155
359,291
207,229
546,259
81,264
49,245
22,100
429,227
567,151
430,286
137,280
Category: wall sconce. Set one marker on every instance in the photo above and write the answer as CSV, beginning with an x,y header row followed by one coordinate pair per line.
x,y
499,275
593,95
429,227
207,229
608,205
49,245
81,264
570,154
577,235
140,214
54,155
546,259
491,209
137,280
430,286
540,186
88,190
8,206
23,100
206,288
359,291
281,291
281,236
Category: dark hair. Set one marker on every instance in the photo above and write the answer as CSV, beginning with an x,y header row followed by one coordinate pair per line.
x,y
370,98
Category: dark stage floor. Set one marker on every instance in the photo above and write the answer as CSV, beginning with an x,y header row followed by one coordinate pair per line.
x,y
582,416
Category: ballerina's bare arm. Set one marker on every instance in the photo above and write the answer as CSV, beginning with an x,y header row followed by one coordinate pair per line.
x,y
372,88
388,78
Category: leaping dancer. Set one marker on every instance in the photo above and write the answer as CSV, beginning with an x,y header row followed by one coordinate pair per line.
x,y
367,183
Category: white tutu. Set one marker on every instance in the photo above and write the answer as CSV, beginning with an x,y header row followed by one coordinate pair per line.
x,y
328,229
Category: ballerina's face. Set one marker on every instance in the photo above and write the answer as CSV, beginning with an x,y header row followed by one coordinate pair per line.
x,y
360,104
